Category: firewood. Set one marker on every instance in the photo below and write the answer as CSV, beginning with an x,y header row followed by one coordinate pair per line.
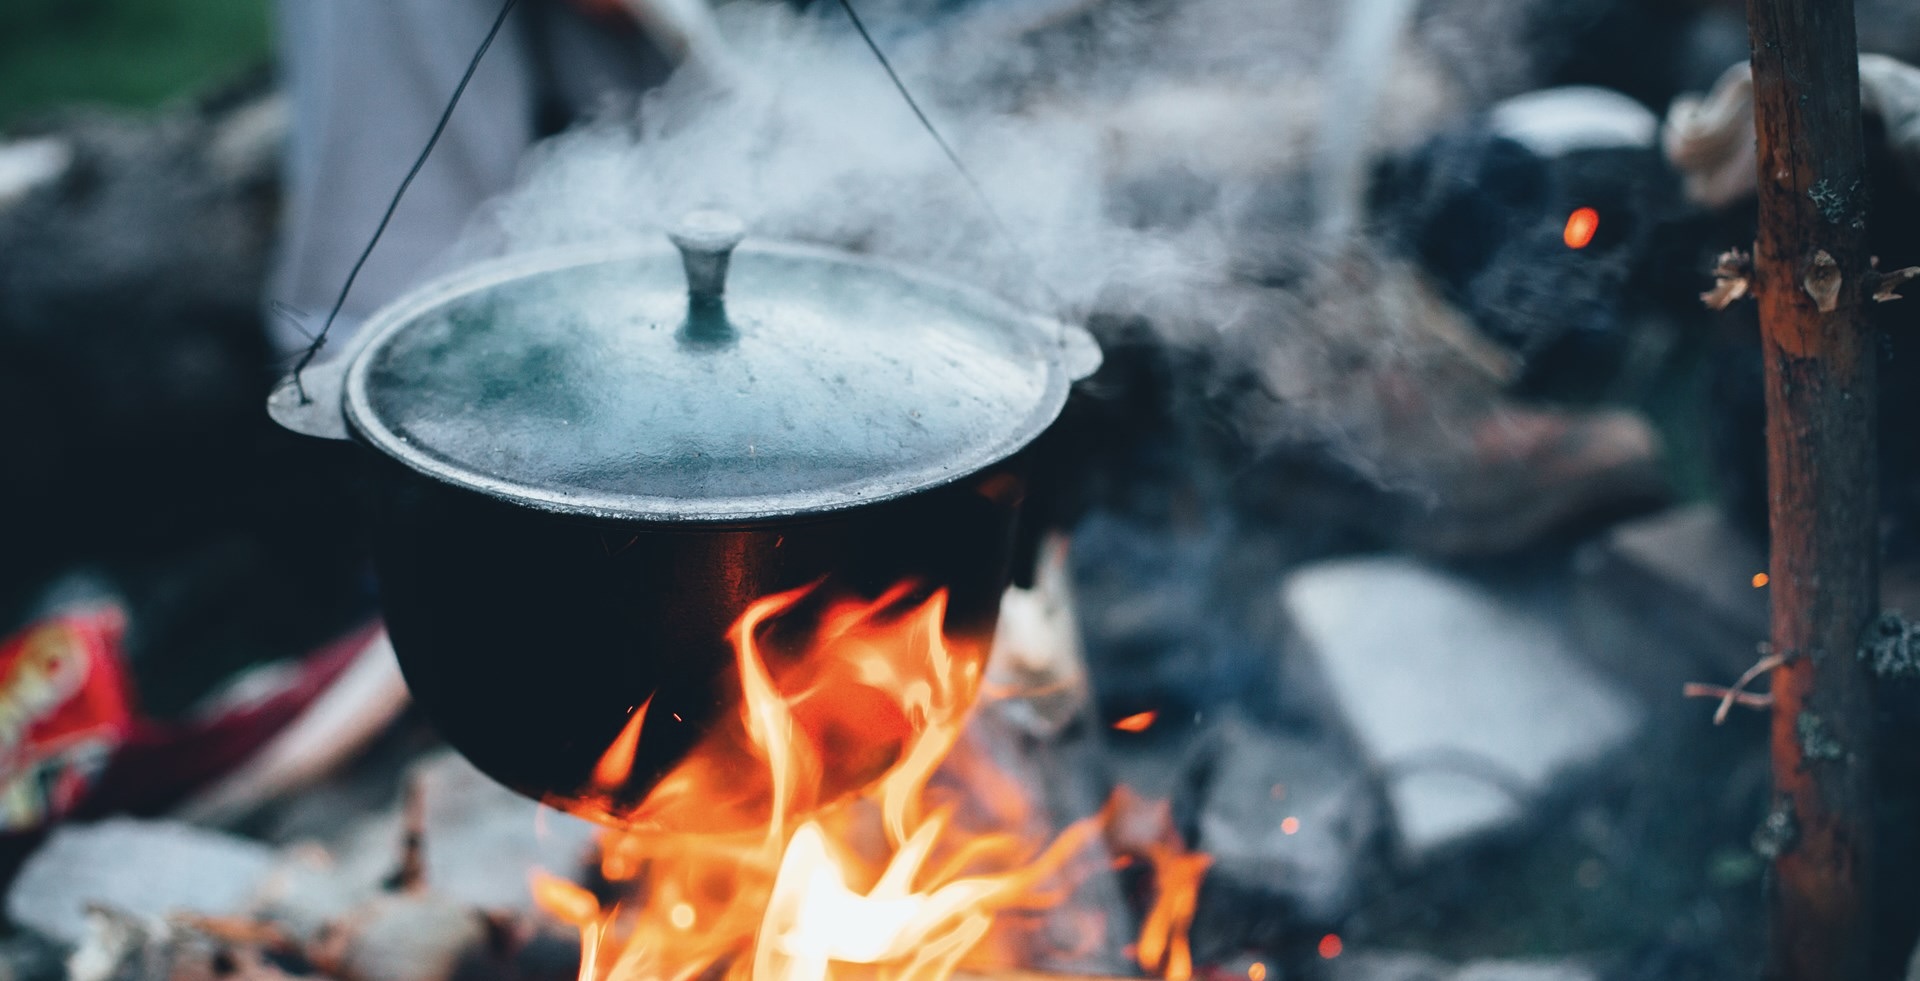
x,y
1813,280
121,946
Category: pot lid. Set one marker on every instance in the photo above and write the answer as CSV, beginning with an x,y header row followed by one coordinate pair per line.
x,y
711,384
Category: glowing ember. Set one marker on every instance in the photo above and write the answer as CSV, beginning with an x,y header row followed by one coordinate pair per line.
x,y
1581,226
1330,946
1290,826
1759,579
835,826
1137,722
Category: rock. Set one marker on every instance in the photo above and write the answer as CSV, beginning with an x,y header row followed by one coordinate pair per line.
x,y
407,937
1670,599
1384,966
30,163
1037,654
479,844
1471,706
1287,820
1387,966
1525,971
145,868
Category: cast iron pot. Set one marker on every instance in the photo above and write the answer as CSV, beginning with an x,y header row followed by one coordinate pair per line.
x,y
585,465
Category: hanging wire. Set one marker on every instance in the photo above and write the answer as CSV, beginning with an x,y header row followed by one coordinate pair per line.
x,y
473,65
979,192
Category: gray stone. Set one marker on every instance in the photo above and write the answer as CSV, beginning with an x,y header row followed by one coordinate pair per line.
x,y
1387,966
146,868
1472,707
1401,966
1670,599
479,844
410,938
31,163
481,840
1037,656
1529,970
1288,818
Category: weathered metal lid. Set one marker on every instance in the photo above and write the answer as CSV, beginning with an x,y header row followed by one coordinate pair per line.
x,y
623,384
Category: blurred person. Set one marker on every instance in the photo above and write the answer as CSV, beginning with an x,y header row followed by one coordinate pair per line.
x,y
368,80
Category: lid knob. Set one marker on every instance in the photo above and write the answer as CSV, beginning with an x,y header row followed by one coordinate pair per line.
x,y
706,240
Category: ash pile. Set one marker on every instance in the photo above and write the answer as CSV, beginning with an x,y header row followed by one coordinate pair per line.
x,y
1416,484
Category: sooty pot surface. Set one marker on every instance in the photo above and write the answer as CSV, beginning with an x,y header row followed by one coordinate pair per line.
x,y
530,638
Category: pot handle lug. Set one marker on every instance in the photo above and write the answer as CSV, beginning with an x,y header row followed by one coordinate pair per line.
x,y
706,240
1079,353
313,406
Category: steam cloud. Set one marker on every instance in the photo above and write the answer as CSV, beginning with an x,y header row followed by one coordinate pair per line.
x,y
1147,157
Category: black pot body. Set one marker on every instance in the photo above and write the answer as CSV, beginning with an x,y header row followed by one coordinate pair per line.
x,y
529,638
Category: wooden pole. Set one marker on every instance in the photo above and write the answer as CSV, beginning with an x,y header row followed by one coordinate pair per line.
x,y
1811,273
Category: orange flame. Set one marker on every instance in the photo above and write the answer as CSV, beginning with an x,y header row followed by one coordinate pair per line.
x,y
1145,829
835,826
1138,722
616,764
1582,225
564,901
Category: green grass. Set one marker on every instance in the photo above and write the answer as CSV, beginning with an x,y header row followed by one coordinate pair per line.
x,y
128,53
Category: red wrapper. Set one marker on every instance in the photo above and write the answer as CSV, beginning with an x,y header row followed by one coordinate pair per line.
x,y
65,708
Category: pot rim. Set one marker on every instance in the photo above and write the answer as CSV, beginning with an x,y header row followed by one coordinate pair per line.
x,y
1071,354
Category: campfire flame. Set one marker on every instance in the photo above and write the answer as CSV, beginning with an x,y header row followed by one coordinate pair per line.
x,y
837,826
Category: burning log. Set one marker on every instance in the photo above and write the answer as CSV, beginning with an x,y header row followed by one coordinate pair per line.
x,y
391,937
121,946
311,916
1812,277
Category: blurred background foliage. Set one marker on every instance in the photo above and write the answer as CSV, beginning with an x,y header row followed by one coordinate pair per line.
x,y
129,53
